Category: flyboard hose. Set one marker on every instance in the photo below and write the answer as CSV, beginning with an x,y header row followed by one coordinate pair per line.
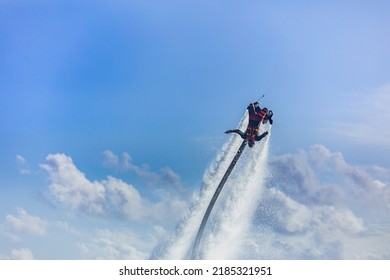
x,y
214,198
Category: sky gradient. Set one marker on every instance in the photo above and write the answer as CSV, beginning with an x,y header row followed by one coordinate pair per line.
x,y
111,111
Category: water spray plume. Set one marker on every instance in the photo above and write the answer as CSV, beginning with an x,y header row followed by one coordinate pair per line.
x,y
231,217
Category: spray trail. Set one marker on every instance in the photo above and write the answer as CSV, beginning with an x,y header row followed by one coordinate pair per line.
x,y
232,220
235,205
214,199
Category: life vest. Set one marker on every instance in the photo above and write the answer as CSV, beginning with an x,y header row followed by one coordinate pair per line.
x,y
263,112
256,117
251,132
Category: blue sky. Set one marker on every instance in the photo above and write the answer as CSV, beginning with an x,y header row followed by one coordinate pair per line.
x,y
141,92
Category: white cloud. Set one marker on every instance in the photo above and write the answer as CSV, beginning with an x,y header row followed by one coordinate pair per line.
x,y
19,254
374,243
126,199
166,178
111,160
24,223
324,177
318,206
294,217
23,166
367,190
64,226
124,163
122,244
73,190
70,186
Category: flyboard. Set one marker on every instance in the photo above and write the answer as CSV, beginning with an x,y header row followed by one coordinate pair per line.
x,y
214,198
